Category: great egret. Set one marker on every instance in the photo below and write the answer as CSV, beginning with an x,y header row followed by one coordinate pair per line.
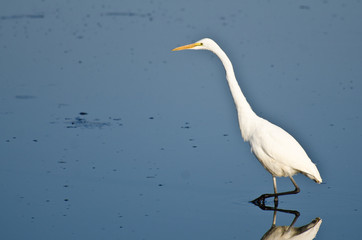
x,y
279,153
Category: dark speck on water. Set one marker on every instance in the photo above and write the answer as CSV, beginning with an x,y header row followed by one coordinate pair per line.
x,y
128,14
304,7
187,125
79,122
24,97
22,16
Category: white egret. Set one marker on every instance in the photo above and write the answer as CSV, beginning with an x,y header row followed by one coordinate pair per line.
x,y
279,153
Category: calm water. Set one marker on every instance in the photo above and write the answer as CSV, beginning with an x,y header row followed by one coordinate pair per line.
x,y
107,134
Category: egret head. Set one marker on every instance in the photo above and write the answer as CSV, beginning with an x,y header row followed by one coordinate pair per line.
x,y
203,44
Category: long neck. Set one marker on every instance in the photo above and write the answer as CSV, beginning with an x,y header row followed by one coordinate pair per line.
x,y
247,117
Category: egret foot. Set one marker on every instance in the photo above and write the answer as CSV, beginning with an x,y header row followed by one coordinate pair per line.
x,y
260,201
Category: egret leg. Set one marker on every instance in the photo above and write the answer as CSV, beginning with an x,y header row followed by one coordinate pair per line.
x,y
275,190
297,189
261,200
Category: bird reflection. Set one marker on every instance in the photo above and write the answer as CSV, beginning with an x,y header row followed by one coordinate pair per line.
x,y
308,231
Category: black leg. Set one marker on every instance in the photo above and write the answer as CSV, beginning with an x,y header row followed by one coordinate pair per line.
x,y
261,200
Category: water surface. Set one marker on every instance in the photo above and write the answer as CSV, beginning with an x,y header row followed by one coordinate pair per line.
x,y
107,134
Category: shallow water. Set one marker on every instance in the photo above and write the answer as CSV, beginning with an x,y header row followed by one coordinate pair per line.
x,y
107,134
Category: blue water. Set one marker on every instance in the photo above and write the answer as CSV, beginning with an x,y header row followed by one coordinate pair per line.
x,y
107,134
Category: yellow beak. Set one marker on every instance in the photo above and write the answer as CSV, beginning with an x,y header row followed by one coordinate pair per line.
x,y
189,46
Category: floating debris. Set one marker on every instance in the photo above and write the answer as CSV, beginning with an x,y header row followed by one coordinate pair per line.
x,y
304,7
79,122
24,97
154,176
186,126
128,14
21,16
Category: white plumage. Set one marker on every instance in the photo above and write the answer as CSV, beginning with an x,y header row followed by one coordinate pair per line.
x,y
276,150
280,153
